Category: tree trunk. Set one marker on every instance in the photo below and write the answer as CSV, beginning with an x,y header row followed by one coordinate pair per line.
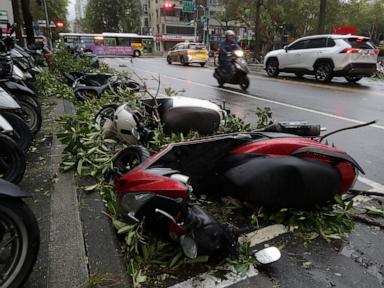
x,y
28,22
323,6
257,29
17,19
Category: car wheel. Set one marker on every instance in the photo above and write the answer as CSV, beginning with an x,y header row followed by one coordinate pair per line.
x,y
169,60
272,68
202,64
353,79
137,53
323,72
182,61
299,75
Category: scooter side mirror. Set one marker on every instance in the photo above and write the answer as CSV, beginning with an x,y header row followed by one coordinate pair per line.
x,y
268,255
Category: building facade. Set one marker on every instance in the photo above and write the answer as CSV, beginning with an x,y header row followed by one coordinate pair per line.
x,y
174,21
6,13
79,15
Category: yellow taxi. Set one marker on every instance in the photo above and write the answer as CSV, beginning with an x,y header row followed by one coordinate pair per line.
x,y
188,53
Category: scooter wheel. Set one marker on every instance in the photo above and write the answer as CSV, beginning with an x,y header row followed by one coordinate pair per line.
x,y
244,83
107,112
12,160
19,229
130,157
22,135
33,115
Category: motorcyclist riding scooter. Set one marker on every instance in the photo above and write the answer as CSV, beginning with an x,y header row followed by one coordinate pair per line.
x,y
232,67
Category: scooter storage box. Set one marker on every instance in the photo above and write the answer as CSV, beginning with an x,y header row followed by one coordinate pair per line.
x,y
184,114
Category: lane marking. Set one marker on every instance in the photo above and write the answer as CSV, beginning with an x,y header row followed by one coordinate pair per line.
x,y
264,99
209,279
376,187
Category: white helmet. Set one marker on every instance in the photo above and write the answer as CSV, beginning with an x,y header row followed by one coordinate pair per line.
x,y
126,125
229,33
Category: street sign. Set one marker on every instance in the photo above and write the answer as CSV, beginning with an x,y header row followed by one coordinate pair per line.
x,y
188,6
202,19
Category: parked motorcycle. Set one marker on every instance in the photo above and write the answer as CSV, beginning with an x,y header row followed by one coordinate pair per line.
x,y
240,71
12,112
177,114
92,85
19,236
12,80
12,159
269,169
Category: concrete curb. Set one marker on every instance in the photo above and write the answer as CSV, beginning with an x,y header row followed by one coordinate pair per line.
x,y
67,256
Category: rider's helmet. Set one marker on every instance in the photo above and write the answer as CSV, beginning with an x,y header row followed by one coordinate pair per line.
x,y
126,125
229,33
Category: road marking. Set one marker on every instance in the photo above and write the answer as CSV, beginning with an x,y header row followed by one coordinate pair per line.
x,y
376,187
232,277
265,100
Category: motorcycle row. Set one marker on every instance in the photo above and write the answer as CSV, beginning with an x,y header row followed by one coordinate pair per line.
x,y
20,119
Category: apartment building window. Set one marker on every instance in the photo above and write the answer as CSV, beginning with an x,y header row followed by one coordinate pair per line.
x,y
158,29
157,13
169,12
145,8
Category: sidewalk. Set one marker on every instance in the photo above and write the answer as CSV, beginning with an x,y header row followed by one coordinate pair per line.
x,y
78,244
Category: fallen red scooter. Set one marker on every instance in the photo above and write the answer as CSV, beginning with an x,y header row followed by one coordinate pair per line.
x,y
264,168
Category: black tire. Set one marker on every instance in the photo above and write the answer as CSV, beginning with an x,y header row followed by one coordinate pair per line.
x,y
12,160
130,157
182,61
136,53
18,221
22,135
323,72
353,79
32,115
107,112
244,83
202,64
272,68
169,60
299,75
132,85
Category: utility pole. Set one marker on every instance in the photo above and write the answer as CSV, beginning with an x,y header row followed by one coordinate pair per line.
x,y
259,3
47,25
28,22
323,7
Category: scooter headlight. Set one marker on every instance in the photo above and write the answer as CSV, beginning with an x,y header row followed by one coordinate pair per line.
x,y
239,53
132,202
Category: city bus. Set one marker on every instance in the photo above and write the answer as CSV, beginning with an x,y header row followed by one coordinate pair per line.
x,y
111,44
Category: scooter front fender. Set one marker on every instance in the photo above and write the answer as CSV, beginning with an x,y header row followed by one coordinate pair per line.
x,y
17,89
8,189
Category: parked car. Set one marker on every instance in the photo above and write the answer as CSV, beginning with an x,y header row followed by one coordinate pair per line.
x,y
188,53
325,56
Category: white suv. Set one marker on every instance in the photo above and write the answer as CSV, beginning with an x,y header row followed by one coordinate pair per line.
x,y
325,56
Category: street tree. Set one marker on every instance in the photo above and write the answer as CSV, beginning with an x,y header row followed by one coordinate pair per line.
x,y
112,16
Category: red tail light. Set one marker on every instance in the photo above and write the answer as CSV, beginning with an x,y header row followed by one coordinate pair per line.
x,y
377,51
351,50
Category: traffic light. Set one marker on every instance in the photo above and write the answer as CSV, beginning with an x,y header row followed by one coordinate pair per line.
x,y
169,5
59,24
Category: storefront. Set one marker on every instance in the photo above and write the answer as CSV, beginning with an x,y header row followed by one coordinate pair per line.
x,y
166,42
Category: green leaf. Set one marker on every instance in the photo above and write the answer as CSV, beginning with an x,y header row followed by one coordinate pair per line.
x,y
91,188
79,166
375,211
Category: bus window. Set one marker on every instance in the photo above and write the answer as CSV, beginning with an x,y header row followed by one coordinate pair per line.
x,y
124,42
110,41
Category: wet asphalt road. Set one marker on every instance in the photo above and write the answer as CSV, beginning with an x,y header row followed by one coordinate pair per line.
x,y
356,262
334,105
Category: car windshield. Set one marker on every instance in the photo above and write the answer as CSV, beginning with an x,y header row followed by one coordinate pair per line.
x,y
361,43
196,47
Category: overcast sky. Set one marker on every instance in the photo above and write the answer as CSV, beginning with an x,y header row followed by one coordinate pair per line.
x,y
71,10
